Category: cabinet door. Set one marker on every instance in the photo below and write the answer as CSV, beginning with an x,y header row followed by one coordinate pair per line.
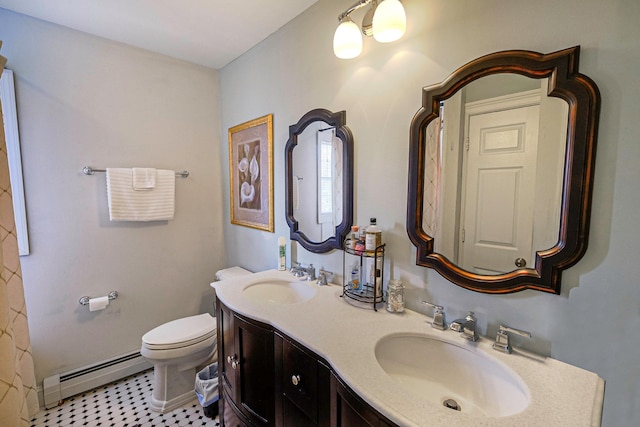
x,y
349,410
255,382
227,357
246,370
230,415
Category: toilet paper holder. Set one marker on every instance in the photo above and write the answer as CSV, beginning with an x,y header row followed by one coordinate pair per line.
x,y
112,295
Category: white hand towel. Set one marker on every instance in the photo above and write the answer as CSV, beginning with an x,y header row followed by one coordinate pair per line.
x,y
127,204
144,178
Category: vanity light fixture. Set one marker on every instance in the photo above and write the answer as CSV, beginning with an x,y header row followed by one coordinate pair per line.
x,y
386,21
347,41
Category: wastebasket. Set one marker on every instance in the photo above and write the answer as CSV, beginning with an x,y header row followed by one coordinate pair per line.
x,y
207,389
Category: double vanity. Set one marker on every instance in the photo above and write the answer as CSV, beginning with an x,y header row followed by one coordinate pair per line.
x,y
513,135
293,353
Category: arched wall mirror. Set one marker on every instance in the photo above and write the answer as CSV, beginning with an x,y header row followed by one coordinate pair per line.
x,y
319,177
501,169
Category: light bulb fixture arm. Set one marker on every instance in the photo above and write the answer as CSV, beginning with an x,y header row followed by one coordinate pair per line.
x,y
357,5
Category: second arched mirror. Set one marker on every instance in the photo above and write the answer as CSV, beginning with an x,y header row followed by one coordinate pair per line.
x,y
319,177
501,169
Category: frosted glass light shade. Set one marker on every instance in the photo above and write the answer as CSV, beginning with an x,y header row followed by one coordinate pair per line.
x,y
347,41
389,21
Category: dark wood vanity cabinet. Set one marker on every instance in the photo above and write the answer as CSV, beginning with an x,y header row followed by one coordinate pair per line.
x,y
268,379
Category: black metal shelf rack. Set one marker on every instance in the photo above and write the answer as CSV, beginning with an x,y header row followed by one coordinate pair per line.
x,y
367,292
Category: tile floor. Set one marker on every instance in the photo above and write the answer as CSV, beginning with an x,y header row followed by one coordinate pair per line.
x,y
120,404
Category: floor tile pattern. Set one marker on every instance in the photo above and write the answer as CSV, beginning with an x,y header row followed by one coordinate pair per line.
x,y
120,404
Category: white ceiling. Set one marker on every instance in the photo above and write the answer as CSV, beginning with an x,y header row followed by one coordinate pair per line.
x,y
207,32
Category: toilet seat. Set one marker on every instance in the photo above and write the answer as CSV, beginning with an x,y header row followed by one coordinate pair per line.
x,y
180,333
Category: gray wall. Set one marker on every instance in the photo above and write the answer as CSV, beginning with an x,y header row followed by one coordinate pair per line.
x,y
594,323
85,101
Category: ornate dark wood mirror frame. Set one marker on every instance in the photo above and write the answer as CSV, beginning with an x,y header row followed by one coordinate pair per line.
x,y
337,120
583,97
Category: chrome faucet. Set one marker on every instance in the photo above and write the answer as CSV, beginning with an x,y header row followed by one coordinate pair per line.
x,y
310,272
298,270
466,327
502,338
438,316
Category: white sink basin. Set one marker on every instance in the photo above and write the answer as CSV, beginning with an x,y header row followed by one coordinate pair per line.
x,y
279,292
441,371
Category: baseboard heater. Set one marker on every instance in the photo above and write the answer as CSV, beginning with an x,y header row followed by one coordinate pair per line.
x,y
57,387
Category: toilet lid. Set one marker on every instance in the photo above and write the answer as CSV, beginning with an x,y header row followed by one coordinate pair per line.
x,y
181,332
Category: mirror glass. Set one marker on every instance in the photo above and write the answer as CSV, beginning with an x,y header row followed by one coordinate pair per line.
x,y
317,185
501,165
494,174
319,180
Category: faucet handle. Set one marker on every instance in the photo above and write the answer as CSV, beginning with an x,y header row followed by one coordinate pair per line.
x,y
324,277
503,343
438,316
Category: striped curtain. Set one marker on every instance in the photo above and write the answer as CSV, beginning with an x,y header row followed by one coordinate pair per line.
x,y
18,394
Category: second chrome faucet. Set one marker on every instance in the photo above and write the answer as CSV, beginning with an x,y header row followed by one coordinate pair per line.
x,y
466,327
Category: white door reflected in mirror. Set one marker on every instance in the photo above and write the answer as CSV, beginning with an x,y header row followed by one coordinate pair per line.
x,y
495,168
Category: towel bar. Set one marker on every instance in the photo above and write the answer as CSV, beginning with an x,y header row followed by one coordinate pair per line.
x,y
88,170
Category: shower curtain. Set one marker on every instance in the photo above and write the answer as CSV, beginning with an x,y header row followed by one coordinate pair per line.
x,y
432,185
18,394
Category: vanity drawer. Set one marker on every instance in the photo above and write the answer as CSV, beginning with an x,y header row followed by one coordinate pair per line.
x,y
300,378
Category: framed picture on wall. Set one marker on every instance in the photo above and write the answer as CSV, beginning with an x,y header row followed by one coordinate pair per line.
x,y
251,173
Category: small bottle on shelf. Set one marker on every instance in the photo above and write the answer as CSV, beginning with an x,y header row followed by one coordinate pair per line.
x,y
373,236
355,282
361,232
359,245
355,230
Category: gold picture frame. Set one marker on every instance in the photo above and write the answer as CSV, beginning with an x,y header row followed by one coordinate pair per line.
x,y
251,173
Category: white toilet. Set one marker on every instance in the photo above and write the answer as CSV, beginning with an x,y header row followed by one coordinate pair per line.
x,y
177,350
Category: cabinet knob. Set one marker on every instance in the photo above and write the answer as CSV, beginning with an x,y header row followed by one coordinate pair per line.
x,y
233,361
295,379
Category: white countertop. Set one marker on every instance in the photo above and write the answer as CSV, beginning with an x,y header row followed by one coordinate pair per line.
x,y
345,336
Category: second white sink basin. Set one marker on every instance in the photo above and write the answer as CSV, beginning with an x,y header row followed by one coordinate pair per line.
x,y
279,292
454,376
